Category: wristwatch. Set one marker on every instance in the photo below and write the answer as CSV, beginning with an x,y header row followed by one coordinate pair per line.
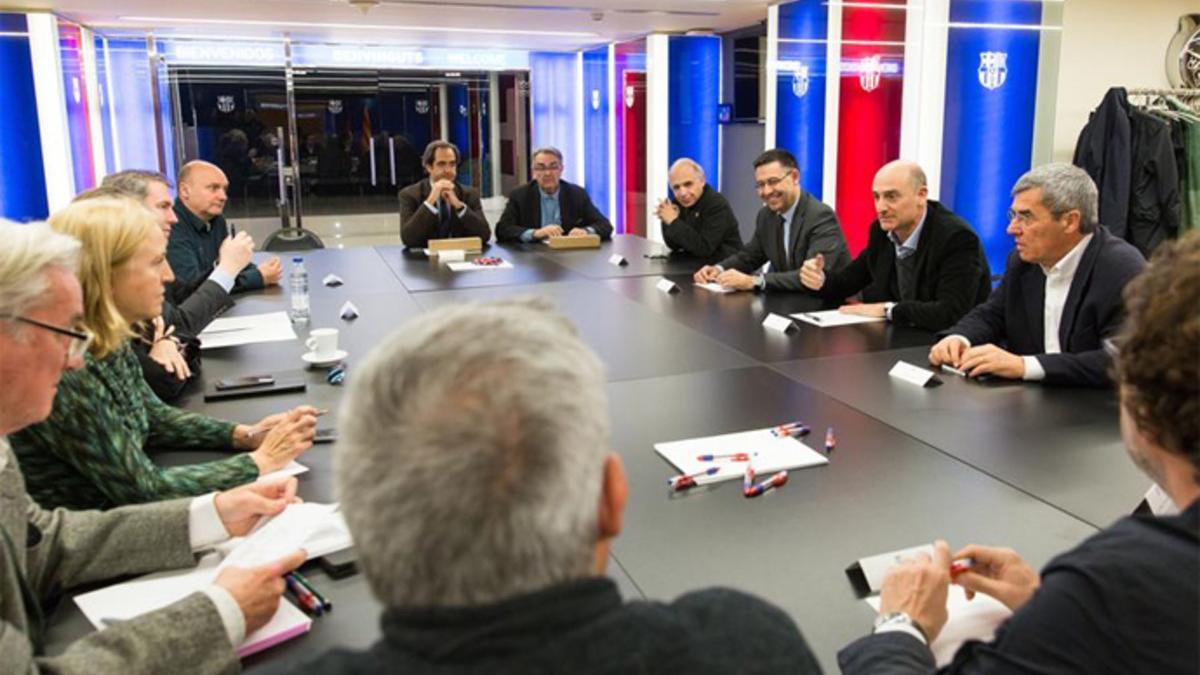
x,y
896,619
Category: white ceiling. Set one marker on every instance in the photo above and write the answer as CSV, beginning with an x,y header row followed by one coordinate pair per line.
x,y
544,24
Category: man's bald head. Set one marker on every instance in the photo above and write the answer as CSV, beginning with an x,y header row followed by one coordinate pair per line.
x,y
687,181
202,189
900,194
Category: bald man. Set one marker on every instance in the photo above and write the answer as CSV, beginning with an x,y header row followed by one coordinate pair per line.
x,y
195,243
923,265
698,220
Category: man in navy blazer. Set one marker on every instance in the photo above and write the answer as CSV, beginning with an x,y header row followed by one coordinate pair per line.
x,y
549,206
1061,292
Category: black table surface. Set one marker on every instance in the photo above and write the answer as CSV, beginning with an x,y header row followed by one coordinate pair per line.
x,y
642,258
736,320
966,462
1060,445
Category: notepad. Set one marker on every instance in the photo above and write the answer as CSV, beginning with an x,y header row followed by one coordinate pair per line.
x,y
124,601
249,329
768,454
317,528
834,317
975,619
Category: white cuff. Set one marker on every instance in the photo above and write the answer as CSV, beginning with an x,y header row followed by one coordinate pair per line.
x,y
204,523
231,614
462,212
1033,369
223,279
432,208
887,310
902,628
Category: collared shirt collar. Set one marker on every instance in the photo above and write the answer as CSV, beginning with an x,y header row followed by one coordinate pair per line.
x,y
547,195
791,212
1066,266
185,215
909,246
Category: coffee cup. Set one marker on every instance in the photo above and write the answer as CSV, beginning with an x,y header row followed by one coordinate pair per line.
x,y
322,342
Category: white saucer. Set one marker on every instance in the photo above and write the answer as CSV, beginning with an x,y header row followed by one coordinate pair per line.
x,y
312,359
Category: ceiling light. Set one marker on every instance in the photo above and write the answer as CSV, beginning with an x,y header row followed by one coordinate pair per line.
x,y
348,26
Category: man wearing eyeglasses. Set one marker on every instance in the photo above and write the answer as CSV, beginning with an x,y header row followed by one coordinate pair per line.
x,y
792,227
45,553
1061,292
549,206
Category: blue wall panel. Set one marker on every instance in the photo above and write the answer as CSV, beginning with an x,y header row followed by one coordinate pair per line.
x,y
693,85
991,86
553,106
596,118
128,105
22,180
800,89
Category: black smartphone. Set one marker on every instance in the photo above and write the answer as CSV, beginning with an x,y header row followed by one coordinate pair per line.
x,y
245,382
325,435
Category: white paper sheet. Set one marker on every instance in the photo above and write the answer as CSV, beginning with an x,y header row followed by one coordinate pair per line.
x,y
834,317
317,528
293,468
714,287
975,619
768,454
244,330
471,267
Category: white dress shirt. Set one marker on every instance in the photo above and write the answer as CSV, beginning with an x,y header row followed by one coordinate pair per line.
x,y
1058,286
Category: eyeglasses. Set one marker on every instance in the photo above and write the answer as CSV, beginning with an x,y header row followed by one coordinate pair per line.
x,y
81,338
1022,217
770,182
547,167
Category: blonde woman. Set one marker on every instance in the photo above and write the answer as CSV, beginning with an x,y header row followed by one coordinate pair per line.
x,y
92,452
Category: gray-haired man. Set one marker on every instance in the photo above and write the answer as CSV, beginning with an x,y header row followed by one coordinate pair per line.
x,y
1061,292
549,206
699,220
44,553
487,542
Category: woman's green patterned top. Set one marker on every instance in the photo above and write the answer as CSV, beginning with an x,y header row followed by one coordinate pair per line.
x,y
92,452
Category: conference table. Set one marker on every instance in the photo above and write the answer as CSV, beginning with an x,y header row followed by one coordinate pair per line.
x,y
1035,468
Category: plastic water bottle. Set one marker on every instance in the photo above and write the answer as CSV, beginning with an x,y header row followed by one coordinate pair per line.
x,y
298,285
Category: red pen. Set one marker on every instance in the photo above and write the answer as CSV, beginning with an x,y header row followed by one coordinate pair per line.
x,y
688,480
830,441
957,567
767,485
789,428
730,457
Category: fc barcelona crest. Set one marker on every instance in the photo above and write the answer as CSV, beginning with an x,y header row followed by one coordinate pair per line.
x,y
462,109
800,80
422,106
630,96
335,106
595,99
225,103
869,70
993,69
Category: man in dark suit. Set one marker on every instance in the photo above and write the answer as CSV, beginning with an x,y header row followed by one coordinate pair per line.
x,y
1061,292
437,207
699,221
550,206
792,227
923,265
1125,600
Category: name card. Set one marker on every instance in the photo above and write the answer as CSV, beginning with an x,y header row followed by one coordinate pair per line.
x,y
451,255
778,322
913,374
667,286
618,260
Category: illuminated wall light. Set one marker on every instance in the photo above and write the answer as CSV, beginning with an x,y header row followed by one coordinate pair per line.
x,y
51,110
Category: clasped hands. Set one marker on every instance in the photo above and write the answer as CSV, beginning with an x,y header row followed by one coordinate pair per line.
x,y
986,359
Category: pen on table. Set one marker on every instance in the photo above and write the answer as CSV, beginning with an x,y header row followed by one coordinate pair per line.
x,y
767,485
789,428
326,603
830,441
954,371
729,457
748,478
308,601
688,480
